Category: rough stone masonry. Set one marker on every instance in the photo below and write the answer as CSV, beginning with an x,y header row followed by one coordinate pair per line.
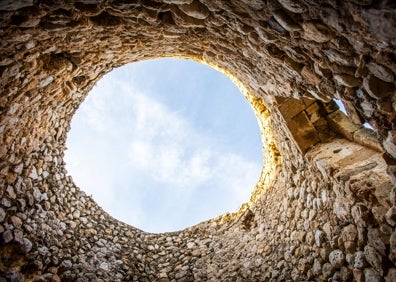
x,y
324,208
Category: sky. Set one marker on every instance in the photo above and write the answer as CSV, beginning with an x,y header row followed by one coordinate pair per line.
x,y
342,109
165,144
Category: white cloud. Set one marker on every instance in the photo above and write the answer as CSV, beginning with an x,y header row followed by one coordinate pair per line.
x,y
151,145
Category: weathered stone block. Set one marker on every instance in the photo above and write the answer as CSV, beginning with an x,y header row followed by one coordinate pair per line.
x,y
341,124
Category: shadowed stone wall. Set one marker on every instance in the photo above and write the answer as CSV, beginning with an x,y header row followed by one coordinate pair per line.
x,y
325,204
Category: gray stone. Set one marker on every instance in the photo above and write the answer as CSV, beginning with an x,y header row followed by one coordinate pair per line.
x,y
327,270
7,236
361,215
359,260
377,240
43,250
317,267
26,246
337,258
373,258
371,275
392,242
390,216
66,264
11,5
391,277
104,266
2,215
319,237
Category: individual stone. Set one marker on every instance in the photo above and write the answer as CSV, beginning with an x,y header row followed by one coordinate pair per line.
x,y
26,246
392,196
359,260
310,76
16,221
391,275
347,80
378,88
11,5
196,10
368,108
255,4
293,6
331,18
390,216
104,266
345,274
373,258
361,215
390,143
358,275
377,240
327,270
33,174
286,22
317,32
7,236
2,215
380,72
371,275
319,238
380,23
385,106
337,258
43,250
317,267
182,18
66,264
392,242
339,58
45,82
349,237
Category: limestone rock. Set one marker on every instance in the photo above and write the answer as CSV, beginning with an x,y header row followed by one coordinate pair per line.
x,y
381,72
2,215
337,258
359,260
390,216
389,143
373,258
293,6
378,88
196,10
347,80
317,32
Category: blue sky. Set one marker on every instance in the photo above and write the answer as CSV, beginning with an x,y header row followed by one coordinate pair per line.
x,y
165,144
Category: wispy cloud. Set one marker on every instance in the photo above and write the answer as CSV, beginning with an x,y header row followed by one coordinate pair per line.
x,y
154,157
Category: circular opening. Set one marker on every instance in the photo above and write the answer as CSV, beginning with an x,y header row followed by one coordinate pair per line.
x,y
165,144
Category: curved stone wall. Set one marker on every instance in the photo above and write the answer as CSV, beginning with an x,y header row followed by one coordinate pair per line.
x,y
324,207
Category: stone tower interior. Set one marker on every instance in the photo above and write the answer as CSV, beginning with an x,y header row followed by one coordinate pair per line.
x,y
324,208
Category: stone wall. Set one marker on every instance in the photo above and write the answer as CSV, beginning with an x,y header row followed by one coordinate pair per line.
x,y
325,205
